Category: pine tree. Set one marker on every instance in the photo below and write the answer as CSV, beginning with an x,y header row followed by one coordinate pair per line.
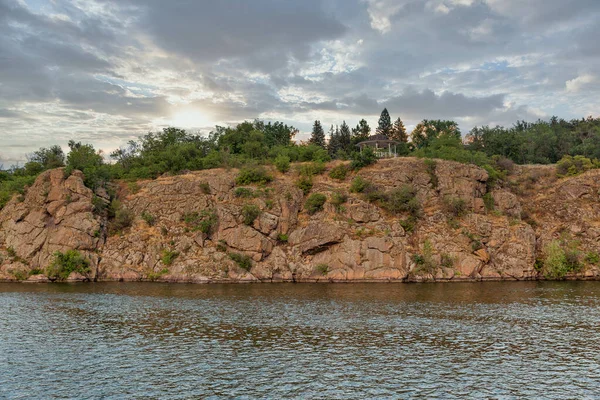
x,y
345,138
361,132
385,123
334,144
318,135
399,131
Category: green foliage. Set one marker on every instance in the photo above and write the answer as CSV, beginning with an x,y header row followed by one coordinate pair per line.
x,y
249,213
555,261
204,187
153,276
317,136
337,199
64,264
243,261
323,269
314,203
400,200
488,201
364,158
120,218
305,184
338,172
83,157
570,166
149,218
446,261
408,224
11,252
592,258
204,221
243,192
457,207
11,184
282,237
425,261
311,169
359,185
168,256
249,175
384,126
431,166
282,163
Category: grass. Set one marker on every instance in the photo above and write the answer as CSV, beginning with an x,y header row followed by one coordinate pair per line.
x,y
314,203
168,256
204,221
63,264
243,261
249,213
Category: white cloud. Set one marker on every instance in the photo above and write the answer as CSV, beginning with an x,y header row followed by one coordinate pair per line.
x,y
576,84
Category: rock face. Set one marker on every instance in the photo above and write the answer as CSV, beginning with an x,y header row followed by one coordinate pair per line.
x,y
355,241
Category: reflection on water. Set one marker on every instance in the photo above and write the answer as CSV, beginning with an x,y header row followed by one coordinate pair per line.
x,y
140,340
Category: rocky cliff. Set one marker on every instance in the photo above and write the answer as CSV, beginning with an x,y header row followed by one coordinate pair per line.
x,y
191,228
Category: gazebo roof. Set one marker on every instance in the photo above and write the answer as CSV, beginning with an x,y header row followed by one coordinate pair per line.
x,y
381,139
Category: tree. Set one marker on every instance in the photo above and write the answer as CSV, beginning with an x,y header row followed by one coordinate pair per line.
x,y
334,144
399,131
385,124
318,135
345,138
48,158
361,132
427,130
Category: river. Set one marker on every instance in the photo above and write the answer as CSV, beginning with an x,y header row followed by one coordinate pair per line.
x,y
505,340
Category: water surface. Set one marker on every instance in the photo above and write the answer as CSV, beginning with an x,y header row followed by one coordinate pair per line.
x,y
349,341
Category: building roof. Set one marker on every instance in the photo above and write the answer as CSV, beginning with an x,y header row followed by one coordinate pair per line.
x,y
378,139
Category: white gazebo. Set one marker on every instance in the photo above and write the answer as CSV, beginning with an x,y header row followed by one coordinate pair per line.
x,y
382,145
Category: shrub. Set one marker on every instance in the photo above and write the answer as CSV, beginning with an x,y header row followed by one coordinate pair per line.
x,y
337,199
408,224
488,201
431,167
323,269
133,187
402,199
249,213
569,166
121,218
205,187
99,205
358,185
314,203
204,221
152,276
425,261
311,169
305,184
282,237
446,261
242,260
249,175
282,163
456,206
64,264
243,192
592,258
168,256
149,218
11,252
363,158
504,164
339,172
555,261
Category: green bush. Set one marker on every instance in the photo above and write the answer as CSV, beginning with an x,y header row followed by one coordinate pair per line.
x,y
64,264
204,221
243,192
205,187
402,199
311,169
337,199
168,256
592,258
358,185
555,261
11,252
282,163
431,167
456,206
243,261
305,184
282,237
249,175
249,213
314,203
149,218
121,218
570,166
339,172
488,201
363,158
323,269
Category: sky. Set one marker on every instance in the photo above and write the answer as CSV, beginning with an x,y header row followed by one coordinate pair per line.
x,y
107,71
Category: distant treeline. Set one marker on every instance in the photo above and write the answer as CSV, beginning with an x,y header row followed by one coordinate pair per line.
x,y
174,150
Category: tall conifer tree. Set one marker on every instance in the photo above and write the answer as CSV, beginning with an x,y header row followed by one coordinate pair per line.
x,y
318,135
385,124
399,131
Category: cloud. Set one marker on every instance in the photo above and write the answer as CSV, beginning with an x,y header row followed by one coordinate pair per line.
x,y
577,84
